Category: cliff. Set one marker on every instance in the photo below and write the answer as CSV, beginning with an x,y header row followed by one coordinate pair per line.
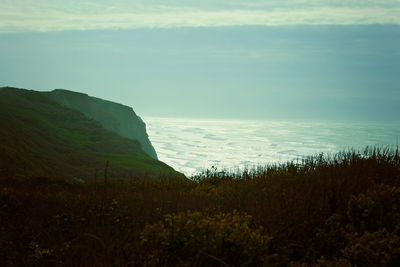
x,y
42,138
114,117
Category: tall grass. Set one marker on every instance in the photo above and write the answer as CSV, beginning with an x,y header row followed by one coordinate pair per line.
x,y
311,212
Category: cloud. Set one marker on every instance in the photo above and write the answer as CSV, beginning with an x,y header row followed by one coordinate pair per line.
x,y
45,16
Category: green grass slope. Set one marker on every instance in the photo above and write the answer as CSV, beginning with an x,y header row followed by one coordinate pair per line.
x,y
39,137
112,116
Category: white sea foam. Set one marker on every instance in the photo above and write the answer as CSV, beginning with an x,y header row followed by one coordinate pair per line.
x,y
192,145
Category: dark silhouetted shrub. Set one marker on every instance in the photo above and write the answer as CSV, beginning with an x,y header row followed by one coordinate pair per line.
x,y
193,238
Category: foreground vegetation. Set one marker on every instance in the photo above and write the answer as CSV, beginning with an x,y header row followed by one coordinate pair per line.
x,y
342,210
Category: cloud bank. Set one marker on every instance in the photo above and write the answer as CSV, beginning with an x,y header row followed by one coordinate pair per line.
x,y
56,15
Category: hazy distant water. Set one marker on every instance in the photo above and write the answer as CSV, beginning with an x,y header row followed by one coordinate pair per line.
x,y
192,145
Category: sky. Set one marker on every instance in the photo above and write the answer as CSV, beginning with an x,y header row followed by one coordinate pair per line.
x,y
293,59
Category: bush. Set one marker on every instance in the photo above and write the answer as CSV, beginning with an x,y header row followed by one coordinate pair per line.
x,y
379,208
332,238
196,238
374,249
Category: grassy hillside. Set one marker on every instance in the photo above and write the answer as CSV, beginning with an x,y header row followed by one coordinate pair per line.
x,y
337,211
112,116
39,137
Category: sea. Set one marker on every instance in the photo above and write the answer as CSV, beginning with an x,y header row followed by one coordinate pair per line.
x,y
191,145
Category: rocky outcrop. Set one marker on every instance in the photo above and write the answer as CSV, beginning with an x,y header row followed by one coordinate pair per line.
x,y
112,116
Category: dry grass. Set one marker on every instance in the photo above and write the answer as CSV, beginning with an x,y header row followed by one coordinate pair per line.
x,y
302,207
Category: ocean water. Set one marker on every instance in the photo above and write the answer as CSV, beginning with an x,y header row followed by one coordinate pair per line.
x,y
193,145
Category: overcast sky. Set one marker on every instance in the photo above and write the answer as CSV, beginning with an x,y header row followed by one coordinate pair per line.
x,y
228,58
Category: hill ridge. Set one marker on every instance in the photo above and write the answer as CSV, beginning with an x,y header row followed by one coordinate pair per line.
x,y
115,117
40,137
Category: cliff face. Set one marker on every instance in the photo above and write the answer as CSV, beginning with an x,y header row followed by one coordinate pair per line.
x,y
112,116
